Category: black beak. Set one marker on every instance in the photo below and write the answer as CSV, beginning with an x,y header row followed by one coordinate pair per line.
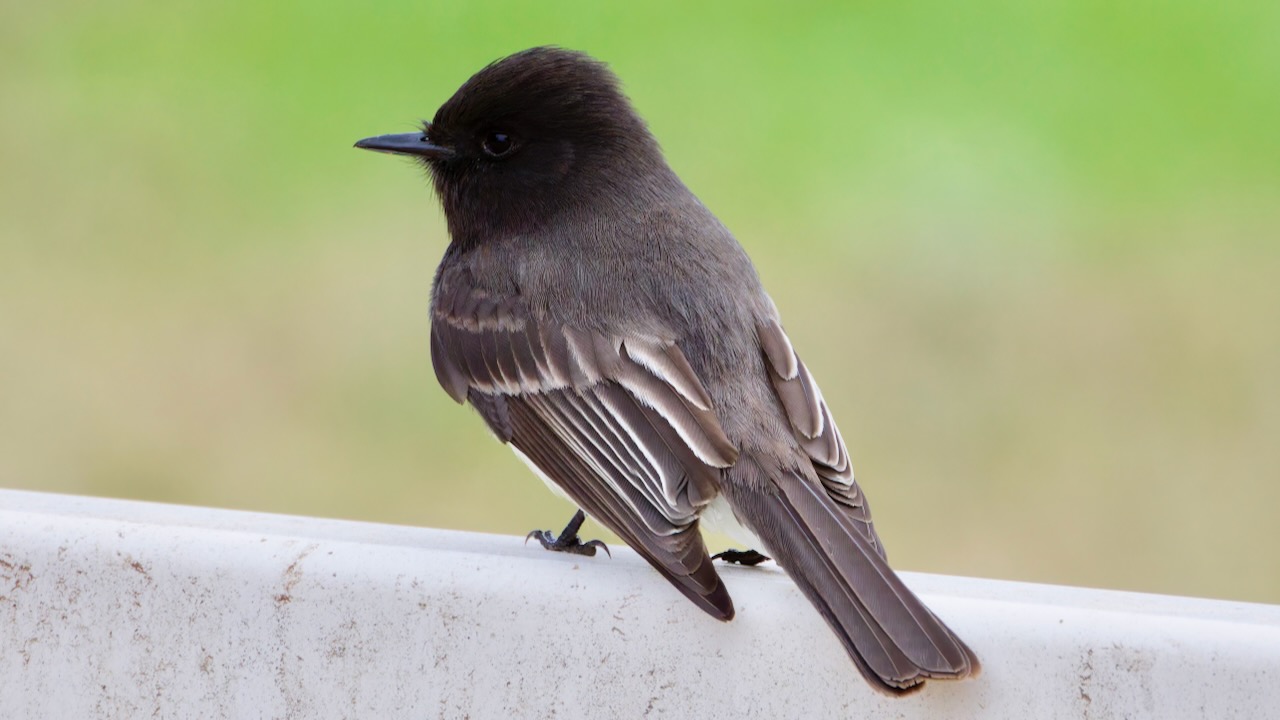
x,y
414,143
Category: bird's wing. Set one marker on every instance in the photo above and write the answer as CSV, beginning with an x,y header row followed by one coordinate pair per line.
x,y
621,424
823,536
814,428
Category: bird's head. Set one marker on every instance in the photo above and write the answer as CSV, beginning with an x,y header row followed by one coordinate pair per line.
x,y
526,138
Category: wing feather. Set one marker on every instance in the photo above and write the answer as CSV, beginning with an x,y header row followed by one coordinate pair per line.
x,y
620,423
815,430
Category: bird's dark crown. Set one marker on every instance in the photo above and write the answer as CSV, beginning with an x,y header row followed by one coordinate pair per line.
x,y
530,134
545,91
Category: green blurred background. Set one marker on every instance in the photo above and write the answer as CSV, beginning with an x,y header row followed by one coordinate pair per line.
x,y
1031,251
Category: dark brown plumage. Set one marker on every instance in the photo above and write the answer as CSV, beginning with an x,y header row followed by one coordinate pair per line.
x,y
610,330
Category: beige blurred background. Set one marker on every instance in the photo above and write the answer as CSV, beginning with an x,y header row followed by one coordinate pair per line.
x,y
1031,251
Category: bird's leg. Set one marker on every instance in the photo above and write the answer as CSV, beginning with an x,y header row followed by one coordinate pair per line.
x,y
569,541
741,557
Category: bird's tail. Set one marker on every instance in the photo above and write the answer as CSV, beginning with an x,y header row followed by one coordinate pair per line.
x,y
895,641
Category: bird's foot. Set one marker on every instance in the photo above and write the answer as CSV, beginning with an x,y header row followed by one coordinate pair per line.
x,y
568,541
750,558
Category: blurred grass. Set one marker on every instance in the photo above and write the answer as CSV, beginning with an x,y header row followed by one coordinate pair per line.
x,y
1032,251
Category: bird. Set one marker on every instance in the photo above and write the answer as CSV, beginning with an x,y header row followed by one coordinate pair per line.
x,y
610,330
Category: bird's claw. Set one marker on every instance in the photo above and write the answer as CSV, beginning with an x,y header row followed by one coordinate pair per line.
x,y
749,558
568,542
572,544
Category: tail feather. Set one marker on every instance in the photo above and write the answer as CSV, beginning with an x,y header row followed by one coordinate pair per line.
x,y
895,641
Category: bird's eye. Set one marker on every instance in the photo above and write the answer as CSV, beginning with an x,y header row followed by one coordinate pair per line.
x,y
498,144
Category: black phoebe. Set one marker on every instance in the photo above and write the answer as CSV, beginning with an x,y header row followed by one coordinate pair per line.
x,y
613,333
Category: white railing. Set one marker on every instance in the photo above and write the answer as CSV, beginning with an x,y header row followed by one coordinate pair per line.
x,y
114,609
